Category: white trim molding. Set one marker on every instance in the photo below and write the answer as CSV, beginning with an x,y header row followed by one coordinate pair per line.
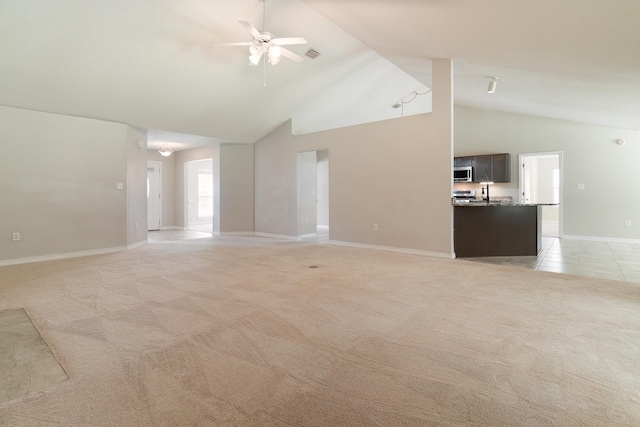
x,y
276,236
137,245
602,239
394,249
61,256
234,233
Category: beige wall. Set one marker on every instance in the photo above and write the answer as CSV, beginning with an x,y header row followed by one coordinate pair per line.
x,y
136,144
394,173
57,184
236,189
590,157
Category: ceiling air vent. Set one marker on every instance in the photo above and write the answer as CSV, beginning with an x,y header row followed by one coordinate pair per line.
x,y
313,54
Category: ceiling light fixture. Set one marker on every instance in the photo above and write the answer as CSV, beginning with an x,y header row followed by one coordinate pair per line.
x,y
166,151
266,44
492,85
413,96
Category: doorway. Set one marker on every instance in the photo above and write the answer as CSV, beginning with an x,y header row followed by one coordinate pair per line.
x,y
313,194
154,195
541,182
199,195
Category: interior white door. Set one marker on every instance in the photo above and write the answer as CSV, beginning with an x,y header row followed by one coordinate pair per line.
x,y
540,182
528,176
154,195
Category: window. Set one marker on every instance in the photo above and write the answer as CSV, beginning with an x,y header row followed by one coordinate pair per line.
x,y
205,194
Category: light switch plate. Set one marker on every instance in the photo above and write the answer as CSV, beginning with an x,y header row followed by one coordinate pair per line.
x,y
119,186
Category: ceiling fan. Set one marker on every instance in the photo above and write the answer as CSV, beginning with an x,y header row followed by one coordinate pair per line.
x,y
265,43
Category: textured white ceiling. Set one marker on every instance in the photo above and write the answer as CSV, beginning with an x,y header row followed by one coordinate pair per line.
x,y
155,64
570,59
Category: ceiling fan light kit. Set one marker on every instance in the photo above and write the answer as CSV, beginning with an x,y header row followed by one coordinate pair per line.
x,y
265,42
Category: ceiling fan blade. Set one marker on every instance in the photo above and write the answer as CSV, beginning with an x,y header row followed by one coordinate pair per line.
x,y
236,44
254,32
292,56
288,40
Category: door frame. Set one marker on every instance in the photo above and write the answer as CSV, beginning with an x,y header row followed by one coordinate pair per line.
x,y
521,182
159,165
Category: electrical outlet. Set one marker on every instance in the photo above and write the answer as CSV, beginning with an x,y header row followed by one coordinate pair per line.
x,y
137,226
119,186
375,227
580,186
16,236
628,223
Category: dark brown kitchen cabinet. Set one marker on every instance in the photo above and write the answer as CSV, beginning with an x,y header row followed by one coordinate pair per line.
x,y
501,167
463,161
483,169
483,230
488,167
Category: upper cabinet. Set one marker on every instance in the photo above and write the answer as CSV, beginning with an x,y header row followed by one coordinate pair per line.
x,y
501,167
483,169
489,167
463,161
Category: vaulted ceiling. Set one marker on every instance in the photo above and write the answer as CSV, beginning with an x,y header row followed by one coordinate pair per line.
x,y
158,64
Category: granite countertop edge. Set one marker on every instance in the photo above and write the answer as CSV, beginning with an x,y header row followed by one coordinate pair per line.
x,y
505,204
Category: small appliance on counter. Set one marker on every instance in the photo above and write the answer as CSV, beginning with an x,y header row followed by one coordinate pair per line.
x,y
463,196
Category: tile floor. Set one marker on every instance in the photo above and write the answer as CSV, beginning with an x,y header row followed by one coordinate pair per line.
x,y
605,260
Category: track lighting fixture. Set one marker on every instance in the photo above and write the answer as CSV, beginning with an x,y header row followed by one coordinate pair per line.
x,y
492,85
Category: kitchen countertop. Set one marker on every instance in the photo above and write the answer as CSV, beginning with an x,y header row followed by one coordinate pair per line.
x,y
481,203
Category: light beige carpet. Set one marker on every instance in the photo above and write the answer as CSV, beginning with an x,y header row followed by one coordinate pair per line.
x,y
240,332
26,362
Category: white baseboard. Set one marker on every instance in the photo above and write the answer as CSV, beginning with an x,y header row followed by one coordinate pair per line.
x,y
171,227
322,227
276,236
67,255
601,239
234,233
307,236
137,245
54,257
394,249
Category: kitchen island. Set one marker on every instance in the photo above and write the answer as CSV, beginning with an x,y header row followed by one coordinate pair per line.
x,y
484,229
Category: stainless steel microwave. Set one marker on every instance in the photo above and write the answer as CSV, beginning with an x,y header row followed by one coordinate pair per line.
x,y
463,174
